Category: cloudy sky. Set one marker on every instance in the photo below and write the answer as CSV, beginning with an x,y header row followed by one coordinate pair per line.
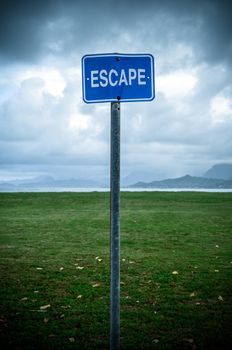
x,y
46,128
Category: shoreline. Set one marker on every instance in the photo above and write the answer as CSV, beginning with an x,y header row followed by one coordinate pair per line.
x,y
123,189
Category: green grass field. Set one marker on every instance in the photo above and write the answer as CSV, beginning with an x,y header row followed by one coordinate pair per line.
x,y
176,262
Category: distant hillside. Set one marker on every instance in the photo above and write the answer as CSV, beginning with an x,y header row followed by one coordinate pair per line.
x,y
186,181
46,182
220,171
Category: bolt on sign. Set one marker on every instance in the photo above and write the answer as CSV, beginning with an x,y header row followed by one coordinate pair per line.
x,y
116,78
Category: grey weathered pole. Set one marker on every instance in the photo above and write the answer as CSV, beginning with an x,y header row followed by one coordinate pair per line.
x,y
115,227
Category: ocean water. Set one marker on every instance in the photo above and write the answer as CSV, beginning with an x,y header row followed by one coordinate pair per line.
x,y
123,189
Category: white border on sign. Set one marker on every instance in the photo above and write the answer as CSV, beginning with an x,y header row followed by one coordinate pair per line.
x,y
121,100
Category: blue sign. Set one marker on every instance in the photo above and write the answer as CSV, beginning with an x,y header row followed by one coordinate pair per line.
x,y
118,77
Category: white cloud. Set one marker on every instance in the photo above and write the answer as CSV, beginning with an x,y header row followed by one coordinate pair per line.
x,y
47,128
221,109
177,84
54,83
78,122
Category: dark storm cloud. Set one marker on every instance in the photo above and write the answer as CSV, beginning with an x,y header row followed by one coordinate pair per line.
x,y
216,32
20,28
30,30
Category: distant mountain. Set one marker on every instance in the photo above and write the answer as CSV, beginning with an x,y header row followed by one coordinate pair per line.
x,y
46,182
146,176
186,181
35,180
219,176
219,171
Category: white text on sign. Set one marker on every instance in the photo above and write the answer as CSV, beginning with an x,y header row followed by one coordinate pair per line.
x,y
117,78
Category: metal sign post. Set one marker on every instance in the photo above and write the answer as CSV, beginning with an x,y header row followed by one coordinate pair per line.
x,y
113,78
115,227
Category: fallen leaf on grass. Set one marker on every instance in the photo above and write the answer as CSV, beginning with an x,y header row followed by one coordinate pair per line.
x,y
44,307
95,285
98,258
220,298
156,341
189,340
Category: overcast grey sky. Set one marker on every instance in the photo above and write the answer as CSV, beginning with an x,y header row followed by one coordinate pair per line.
x,y
46,128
